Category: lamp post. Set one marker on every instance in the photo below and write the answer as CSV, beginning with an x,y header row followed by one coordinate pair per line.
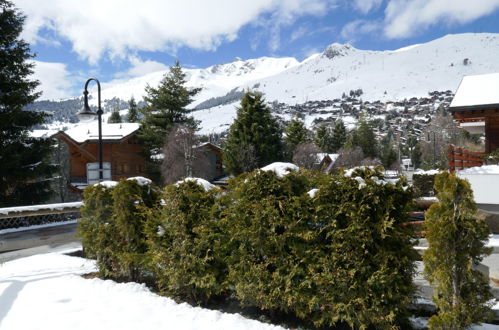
x,y
434,146
88,113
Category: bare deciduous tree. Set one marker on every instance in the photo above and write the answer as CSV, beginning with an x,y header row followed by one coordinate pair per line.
x,y
305,156
182,156
349,157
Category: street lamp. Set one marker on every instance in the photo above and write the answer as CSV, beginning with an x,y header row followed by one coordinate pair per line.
x,y
87,113
434,146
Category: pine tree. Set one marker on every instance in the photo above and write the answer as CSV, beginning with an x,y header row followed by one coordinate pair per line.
x,y
456,246
388,155
416,156
254,138
166,106
323,139
339,137
364,138
25,170
133,112
295,134
115,117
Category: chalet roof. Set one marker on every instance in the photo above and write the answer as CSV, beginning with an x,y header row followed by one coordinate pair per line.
x,y
110,132
477,92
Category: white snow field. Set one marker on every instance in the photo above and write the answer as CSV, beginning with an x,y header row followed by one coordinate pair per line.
x,y
46,292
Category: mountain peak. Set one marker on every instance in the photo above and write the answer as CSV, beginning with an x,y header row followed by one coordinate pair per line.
x,y
337,50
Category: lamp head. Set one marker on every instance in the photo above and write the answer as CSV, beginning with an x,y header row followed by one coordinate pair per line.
x,y
86,114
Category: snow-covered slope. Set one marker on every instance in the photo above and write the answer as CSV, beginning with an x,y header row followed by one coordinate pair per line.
x,y
389,75
216,80
407,72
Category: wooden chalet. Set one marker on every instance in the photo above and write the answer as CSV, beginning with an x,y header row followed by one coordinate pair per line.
x,y
122,155
476,108
214,167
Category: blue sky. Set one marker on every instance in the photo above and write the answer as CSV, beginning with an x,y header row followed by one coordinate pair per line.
x,y
121,39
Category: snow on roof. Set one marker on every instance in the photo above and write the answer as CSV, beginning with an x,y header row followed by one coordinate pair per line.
x,y
477,90
280,169
90,131
42,133
202,182
486,169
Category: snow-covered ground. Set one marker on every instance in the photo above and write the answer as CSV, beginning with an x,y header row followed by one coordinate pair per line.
x,y
47,292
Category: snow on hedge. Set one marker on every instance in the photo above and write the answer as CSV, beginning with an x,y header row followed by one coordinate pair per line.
x,y
202,182
57,298
107,184
141,181
280,169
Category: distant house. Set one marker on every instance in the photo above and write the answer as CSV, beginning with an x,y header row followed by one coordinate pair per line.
x,y
476,107
122,155
214,168
326,161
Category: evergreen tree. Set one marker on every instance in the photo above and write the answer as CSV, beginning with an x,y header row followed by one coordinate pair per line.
x,y
416,156
254,138
133,112
115,117
166,106
456,246
364,138
339,136
295,134
323,139
24,165
388,155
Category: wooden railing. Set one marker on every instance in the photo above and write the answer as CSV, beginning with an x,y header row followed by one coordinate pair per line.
x,y
26,216
459,159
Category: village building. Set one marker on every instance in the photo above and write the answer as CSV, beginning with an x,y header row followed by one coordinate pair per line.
x,y
475,107
122,155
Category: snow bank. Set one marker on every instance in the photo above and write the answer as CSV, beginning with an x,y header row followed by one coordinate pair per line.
x,y
486,169
141,180
48,286
484,181
202,182
280,169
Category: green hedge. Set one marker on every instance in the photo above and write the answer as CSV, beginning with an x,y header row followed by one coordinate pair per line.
x,y
423,184
112,226
341,255
185,241
335,254
97,228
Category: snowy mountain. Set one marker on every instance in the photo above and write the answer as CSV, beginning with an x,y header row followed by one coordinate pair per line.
x,y
397,74
390,75
215,81
408,72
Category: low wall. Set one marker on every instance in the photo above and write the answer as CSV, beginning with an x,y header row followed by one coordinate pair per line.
x,y
485,186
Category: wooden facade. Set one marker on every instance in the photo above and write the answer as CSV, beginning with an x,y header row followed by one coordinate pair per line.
x,y
490,116
123,153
